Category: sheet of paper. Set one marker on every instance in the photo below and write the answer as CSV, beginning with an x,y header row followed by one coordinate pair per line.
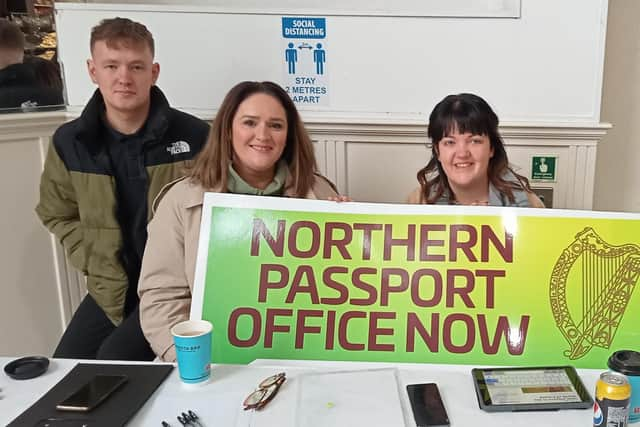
x,y
349,398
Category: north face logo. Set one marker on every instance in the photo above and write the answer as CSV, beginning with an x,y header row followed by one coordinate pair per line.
x,y
179,147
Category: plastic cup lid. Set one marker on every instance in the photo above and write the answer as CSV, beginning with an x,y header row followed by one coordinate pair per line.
x,y
27,367
626,362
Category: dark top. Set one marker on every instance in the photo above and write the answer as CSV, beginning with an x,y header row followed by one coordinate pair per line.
x,y
19,88
127,160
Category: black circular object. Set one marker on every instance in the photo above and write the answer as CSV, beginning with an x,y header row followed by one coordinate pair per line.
x,y
626,362
26,367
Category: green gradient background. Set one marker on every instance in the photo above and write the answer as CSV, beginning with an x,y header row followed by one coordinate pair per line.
x,y
232,279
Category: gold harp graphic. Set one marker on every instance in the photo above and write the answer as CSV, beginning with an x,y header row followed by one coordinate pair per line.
x,y
607,276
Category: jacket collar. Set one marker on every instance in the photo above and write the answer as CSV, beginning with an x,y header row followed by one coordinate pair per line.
x,y
91,126
195,192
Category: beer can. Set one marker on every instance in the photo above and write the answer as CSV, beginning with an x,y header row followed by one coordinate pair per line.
x,y
627,363
611,407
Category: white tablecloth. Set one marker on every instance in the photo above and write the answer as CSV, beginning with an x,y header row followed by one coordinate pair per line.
x,y
218,403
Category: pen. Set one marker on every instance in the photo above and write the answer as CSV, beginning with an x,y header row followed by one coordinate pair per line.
x,y
193,417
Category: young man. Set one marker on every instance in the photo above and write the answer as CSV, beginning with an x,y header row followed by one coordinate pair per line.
x,y
101,175
19,85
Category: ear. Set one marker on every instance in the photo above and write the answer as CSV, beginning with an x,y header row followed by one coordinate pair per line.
x,y
436,151
491,153
155,71
91,68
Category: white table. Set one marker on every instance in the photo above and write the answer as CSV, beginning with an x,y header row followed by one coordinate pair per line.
x,y
218,403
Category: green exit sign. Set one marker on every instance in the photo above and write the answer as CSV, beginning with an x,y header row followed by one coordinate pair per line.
x,y
543,168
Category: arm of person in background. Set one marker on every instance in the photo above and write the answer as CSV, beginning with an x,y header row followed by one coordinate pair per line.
x,y
534,201
58,208
165,295
415,197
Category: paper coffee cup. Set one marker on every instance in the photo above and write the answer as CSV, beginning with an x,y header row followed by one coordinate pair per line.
x,y
192,339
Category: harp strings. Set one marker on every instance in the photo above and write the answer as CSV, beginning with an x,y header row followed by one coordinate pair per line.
x,y
597,275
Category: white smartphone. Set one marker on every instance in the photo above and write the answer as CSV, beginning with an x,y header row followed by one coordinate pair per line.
x,y
91,394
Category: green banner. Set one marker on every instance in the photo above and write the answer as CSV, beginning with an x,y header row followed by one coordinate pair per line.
x,y
296,279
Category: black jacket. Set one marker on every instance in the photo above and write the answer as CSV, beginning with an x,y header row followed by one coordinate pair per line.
x,y
19,88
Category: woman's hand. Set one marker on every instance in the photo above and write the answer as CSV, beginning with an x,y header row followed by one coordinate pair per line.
x,y
340,199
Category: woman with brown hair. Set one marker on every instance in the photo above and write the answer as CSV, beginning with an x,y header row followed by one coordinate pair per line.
x,y
258,145
469,164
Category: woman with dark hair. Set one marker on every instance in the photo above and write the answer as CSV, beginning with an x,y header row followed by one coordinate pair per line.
x,y
258,145
469,163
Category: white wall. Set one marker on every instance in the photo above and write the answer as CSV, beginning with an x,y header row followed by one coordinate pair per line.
x,y
617,172
544,67
34,307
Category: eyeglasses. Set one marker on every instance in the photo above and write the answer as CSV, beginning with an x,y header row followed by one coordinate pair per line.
x,y
267,389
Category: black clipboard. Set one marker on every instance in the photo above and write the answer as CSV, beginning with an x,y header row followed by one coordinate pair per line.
x,y
119,408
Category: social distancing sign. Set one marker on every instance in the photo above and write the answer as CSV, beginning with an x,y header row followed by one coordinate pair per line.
x,y
305,60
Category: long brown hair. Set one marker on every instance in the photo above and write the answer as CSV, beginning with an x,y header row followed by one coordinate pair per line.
x,y
212,163
464,113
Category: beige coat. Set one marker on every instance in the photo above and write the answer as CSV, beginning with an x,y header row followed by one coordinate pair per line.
x,y
169,263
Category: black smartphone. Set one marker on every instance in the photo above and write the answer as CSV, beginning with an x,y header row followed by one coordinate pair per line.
x,y
92,393
426,404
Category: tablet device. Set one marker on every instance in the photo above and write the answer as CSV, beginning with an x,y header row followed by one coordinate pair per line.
x,y
530,389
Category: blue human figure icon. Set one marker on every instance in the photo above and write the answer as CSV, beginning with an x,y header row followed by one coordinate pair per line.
x,y
291,56
319,57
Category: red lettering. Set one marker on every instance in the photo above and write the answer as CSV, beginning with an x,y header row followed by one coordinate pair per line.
x,y
505,251
463,291
343,292
309,287
490,275
302,328
514,337
455,243
331,330
232,327
447,333
386,288
367,229
271,327
340,244
409,242
415,287
364,286
430,338
343,329
275,244
426,243
266,284
314,246
375,331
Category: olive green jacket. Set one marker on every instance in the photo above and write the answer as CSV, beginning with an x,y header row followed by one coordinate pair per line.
x,y
78,191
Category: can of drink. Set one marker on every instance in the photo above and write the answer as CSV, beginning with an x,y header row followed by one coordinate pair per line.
x,y
611,408
627,362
